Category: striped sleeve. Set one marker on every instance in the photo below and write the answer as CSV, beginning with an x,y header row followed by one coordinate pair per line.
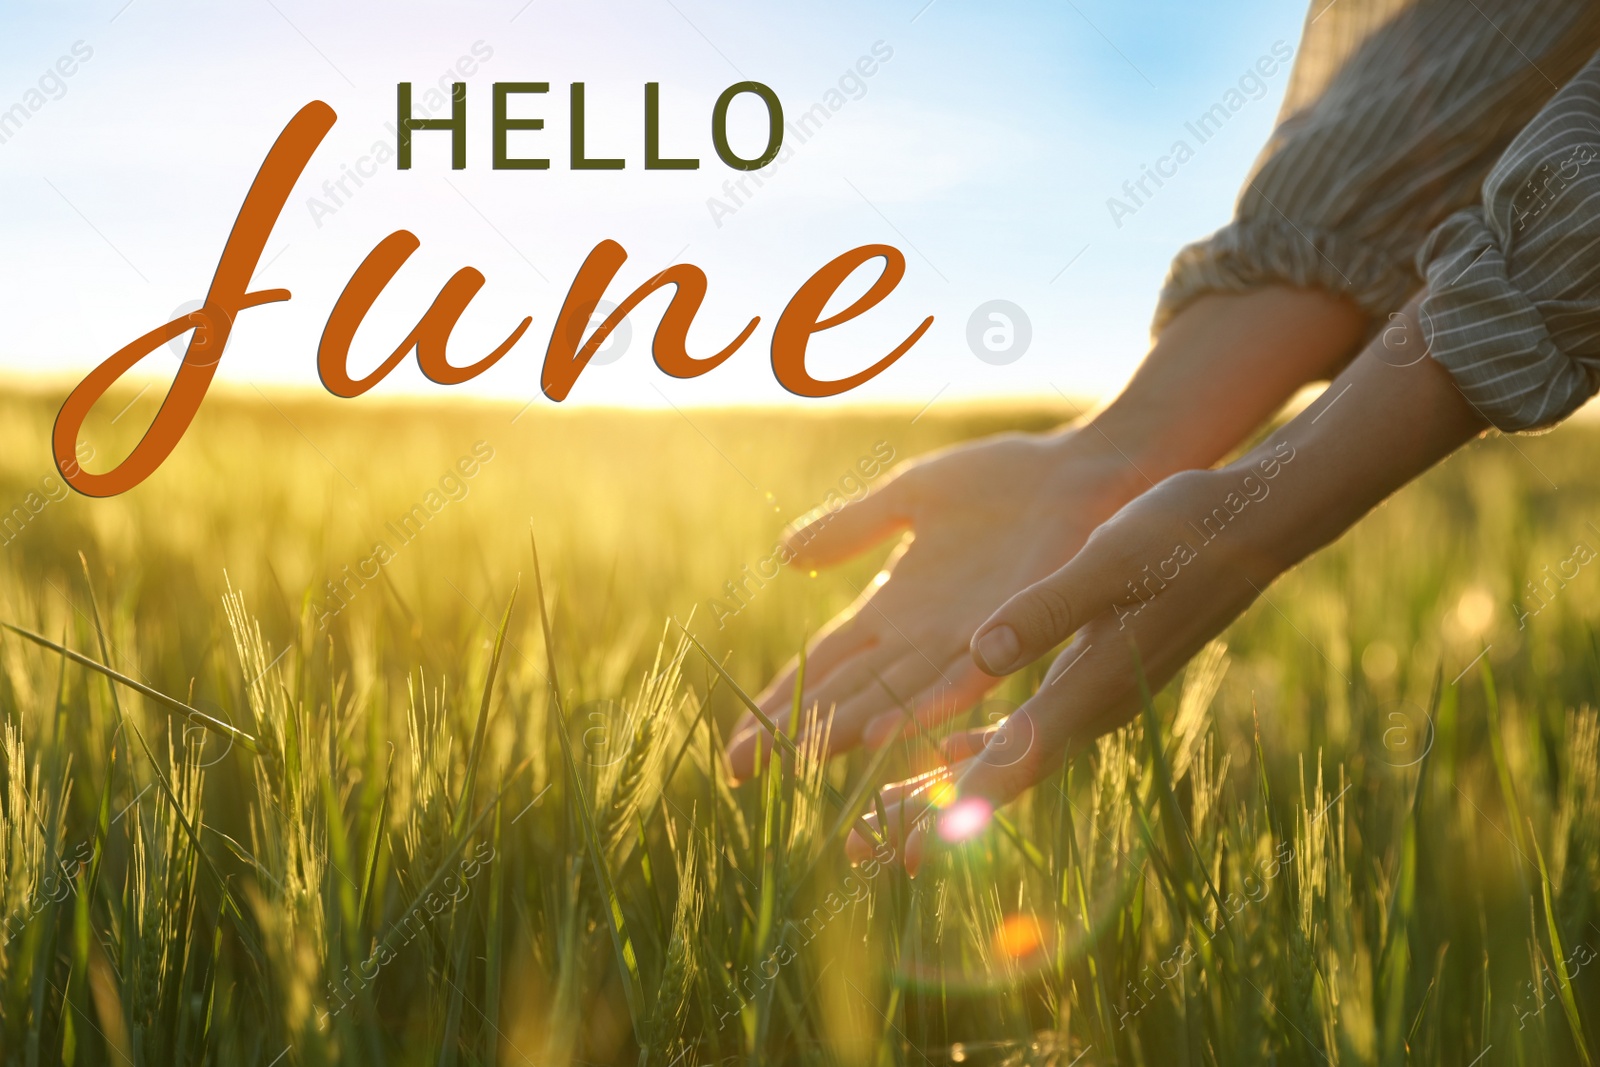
x,y
1513,302
1395,113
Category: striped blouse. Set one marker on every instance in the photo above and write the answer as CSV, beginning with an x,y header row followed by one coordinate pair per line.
x,y
1449,142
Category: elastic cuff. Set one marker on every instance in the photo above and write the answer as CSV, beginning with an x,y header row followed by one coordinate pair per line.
x,y
1489,334
1255,253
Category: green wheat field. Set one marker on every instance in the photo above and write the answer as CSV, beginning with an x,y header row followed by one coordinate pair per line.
x,y
401,826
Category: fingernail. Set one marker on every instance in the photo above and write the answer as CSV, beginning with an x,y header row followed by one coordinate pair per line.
x,y
913,853
881,730
741,752
856,849
997,649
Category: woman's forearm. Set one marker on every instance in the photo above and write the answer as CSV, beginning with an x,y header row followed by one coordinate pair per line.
x,y
1221,368
1377,426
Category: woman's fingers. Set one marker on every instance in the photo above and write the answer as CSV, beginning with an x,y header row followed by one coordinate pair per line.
x,y
857,675
1092,687
1040,617
832,649
825,537
965,744
897,822
876,688
906,805
956,687
895,792
837,648
1085,693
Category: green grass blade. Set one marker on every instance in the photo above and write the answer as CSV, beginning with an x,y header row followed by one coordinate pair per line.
x,y
1569,1002
480,730
615,924
199,718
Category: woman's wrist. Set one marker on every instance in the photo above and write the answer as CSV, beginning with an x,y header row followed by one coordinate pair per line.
x,y
1093,469
1223,366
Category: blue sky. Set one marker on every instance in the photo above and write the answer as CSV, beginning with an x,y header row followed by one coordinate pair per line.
x,y
985,148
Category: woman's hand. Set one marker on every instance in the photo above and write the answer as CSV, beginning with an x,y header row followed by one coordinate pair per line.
x,y
988,518
1149,589
1173,568
993,517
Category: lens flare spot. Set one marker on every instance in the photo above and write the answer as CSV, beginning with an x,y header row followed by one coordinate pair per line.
x,y
1475,611
1018,937
942,794
965,819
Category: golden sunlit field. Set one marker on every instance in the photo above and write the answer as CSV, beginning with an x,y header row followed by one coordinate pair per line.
x,y
400,827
